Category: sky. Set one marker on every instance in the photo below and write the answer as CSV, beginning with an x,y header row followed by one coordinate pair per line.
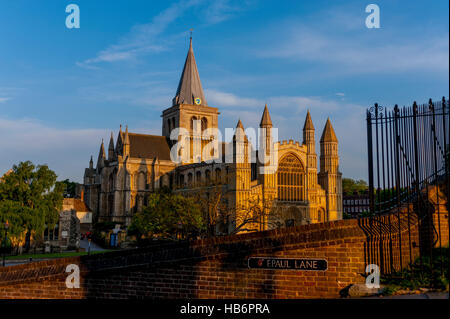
x,y
62,90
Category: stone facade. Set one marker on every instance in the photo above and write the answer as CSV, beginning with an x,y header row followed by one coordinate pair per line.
x,y
294,193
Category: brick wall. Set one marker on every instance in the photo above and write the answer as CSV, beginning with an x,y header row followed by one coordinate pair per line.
x,y
217,267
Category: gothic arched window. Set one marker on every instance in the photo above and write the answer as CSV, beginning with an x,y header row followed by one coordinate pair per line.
x,y
218,175
193,123
291,179
141,181
111,182
204,123
198,177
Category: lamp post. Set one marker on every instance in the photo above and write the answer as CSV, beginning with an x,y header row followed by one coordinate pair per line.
x,y
4,242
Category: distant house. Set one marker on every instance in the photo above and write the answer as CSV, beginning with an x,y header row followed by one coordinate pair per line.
x,y
75,218
355,204
83,212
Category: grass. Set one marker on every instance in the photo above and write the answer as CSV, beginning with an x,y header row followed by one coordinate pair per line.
x,y
419,275
54,255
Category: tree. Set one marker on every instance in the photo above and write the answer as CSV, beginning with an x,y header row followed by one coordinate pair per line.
x,y
30,200
70,188
166,215
255,214
350,186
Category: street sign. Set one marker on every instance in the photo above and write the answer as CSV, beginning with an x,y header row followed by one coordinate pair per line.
x,y
287,263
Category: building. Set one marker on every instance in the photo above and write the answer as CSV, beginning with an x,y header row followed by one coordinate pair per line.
x,y
293,193
356,204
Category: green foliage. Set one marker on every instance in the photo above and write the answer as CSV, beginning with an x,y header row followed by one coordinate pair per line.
x,y
346,215
420,275
30,198
350,185
70,188
390,290
367,214
166,215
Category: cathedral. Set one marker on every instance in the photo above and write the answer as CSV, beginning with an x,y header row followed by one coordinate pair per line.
x,y
284,189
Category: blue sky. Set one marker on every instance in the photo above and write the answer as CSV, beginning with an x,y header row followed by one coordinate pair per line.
x,y
63,90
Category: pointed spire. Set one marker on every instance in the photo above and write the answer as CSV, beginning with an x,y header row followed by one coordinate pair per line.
x,y
239,124
91,163
328,134
190,89
308,123
102,150
111,142
101,156
265,120
127,138
111,148
239,132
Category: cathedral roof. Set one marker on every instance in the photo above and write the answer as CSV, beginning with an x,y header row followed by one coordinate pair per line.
x,y
190,87
328,134
149,146
265,120
308,122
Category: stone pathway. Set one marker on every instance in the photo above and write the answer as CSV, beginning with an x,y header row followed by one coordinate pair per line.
x,y
84,243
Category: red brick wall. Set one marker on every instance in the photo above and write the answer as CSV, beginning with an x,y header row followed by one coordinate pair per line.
x,y
217,267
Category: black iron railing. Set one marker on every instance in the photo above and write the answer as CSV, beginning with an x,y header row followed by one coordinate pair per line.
x,y
408,160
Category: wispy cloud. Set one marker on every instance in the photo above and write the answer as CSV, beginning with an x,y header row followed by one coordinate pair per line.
x,y
142,38
66,151
221,10
146,38
225,99
362,56
336,37
8,93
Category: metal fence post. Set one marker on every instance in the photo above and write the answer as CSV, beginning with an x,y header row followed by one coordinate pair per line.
x,y
397,179
370,160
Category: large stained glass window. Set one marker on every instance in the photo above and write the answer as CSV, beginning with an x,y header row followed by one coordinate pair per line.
x,y
291,179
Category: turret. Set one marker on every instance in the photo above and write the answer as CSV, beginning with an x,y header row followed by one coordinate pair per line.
x,y
101,157
329,177
308,135
329,159
268,160
111,148
266,142
126,144
240,144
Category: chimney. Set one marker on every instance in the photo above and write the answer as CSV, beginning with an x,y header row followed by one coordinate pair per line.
x,y
82,194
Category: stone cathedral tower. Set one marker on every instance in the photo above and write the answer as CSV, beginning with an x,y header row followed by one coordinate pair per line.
x,y
191,112
330,178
